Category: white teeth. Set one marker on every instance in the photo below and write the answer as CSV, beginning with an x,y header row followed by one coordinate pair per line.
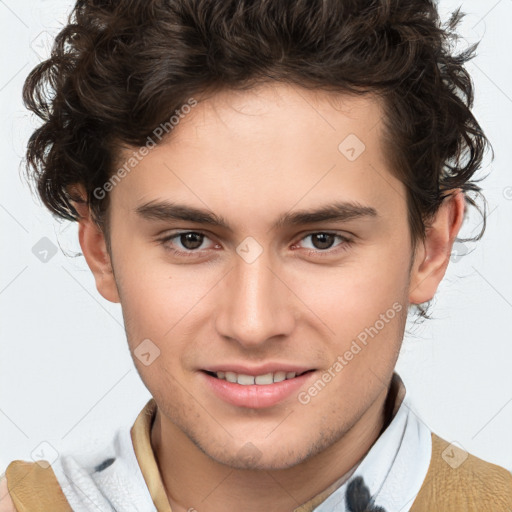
x,y
264,379
279,376
230,376
245,380
248,380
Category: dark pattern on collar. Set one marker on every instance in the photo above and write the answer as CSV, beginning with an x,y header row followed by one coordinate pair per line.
x,y
358,498
104,465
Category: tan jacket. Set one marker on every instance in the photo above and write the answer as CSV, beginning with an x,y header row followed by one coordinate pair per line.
x,y
455,481
474,486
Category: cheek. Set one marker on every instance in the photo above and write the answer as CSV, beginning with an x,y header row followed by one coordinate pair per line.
x,y
155,295
363,304
359,290
166,304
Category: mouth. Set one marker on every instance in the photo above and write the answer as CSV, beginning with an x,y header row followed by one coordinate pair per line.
x,y
259,380
256,391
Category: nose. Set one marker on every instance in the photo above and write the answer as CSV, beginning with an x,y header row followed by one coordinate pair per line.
x,y
256,304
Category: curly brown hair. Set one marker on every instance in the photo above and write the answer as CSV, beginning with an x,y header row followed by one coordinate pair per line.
x,y
119,68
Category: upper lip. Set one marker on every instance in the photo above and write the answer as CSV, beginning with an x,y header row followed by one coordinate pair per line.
x,y
257,370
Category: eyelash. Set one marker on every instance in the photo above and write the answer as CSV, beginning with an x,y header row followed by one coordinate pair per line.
x,y
346,243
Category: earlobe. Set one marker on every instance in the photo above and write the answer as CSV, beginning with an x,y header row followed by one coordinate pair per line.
x,y
433,254
94,248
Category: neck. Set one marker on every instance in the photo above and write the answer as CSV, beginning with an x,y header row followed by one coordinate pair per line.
x,y
194,480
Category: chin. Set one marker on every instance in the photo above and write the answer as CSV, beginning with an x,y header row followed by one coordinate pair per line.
x,y
250,457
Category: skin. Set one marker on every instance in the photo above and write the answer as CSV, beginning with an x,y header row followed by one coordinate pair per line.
x,y
250,157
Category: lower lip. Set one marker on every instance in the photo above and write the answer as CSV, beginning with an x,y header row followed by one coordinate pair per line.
x,y
255,396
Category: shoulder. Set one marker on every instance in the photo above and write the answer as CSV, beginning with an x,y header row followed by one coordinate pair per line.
x,y
32,486
458,480
461,466
106,469
6,503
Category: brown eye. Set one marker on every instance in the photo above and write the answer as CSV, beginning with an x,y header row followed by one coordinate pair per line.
x,y
324,244
186,243
322,240
191,240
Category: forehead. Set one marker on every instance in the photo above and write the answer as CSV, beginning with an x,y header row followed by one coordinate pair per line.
x,y
282,116
263,151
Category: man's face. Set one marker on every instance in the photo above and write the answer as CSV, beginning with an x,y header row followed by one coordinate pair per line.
x,y
303,295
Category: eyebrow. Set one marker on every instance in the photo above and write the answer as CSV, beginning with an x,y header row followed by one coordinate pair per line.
x,y
338,211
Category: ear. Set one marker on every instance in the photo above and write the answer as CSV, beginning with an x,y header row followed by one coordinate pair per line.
x,y
94,248
433,254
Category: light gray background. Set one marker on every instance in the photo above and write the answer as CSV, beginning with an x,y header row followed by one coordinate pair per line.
x,y
66,377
